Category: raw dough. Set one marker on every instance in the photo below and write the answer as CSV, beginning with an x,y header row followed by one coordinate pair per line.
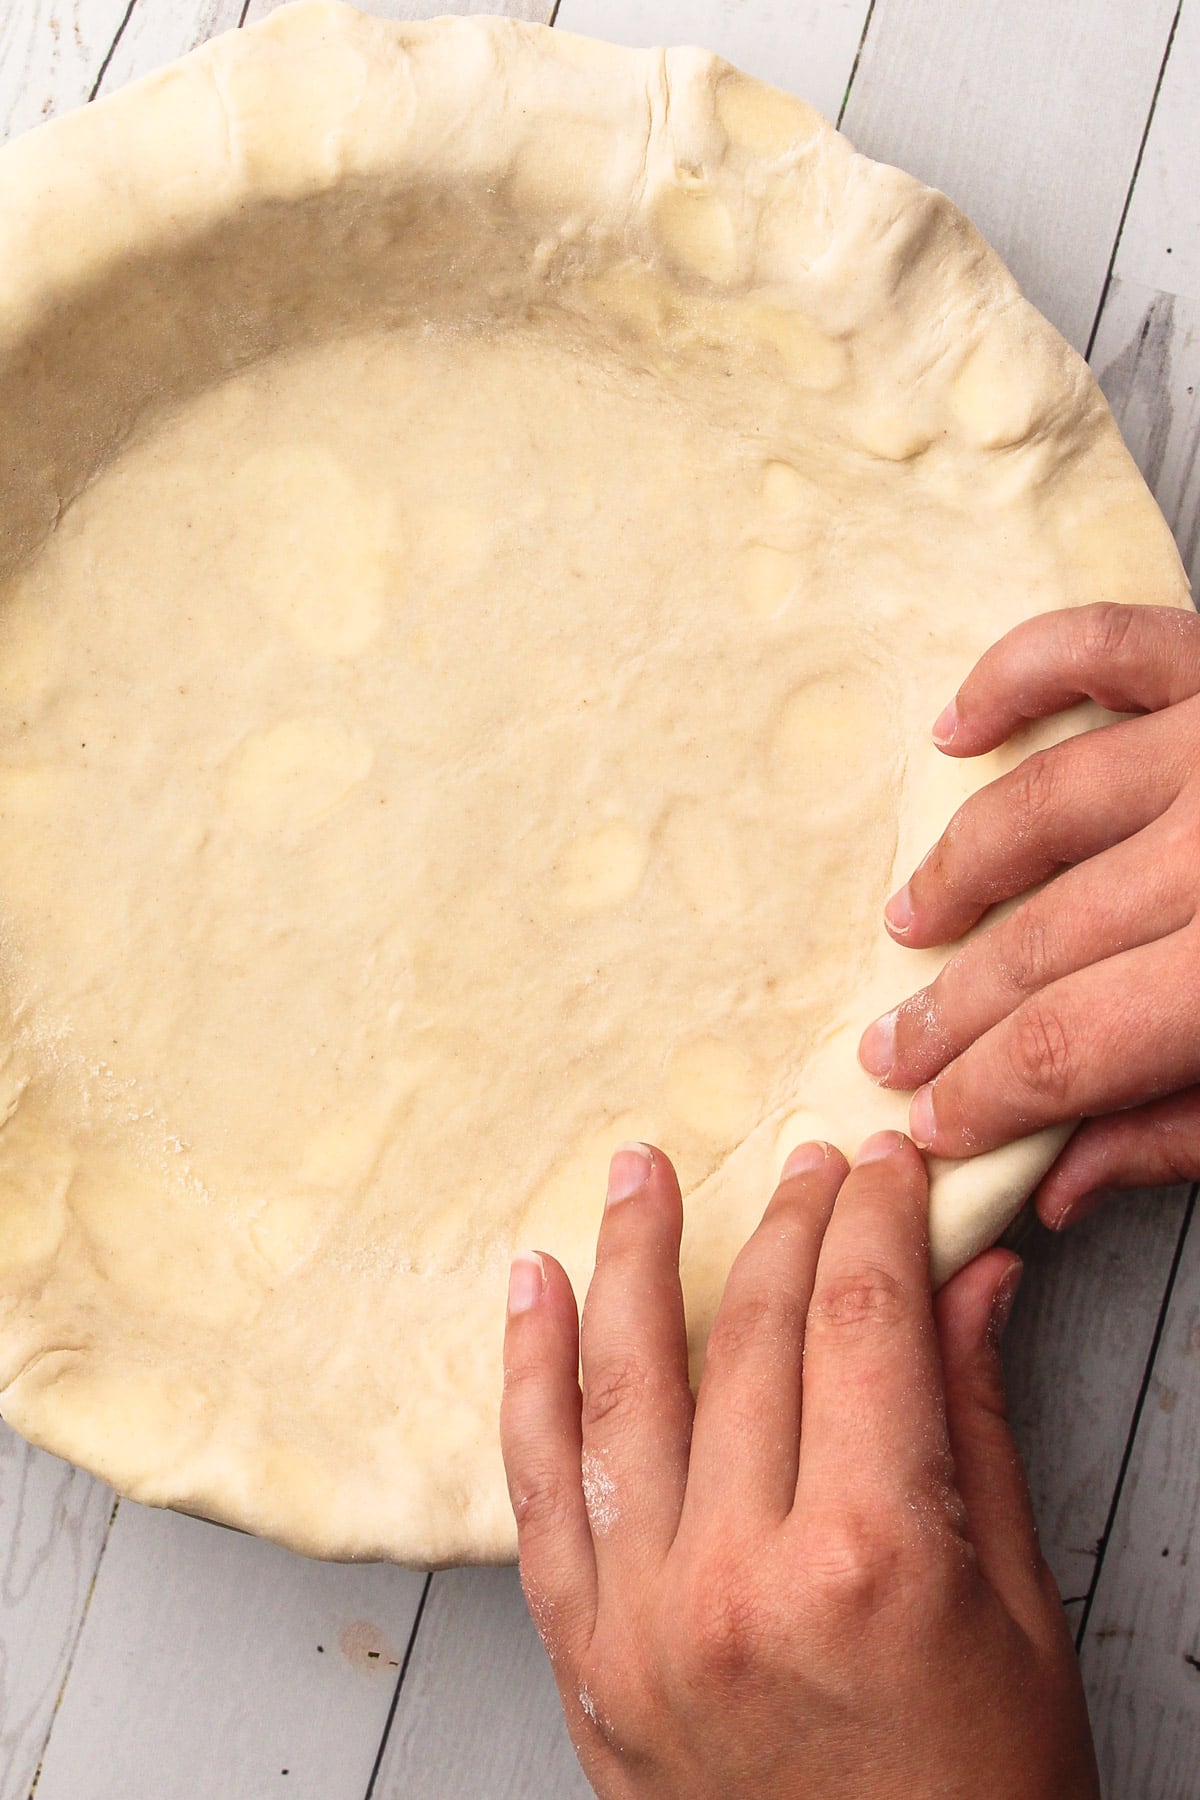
x,y
489,520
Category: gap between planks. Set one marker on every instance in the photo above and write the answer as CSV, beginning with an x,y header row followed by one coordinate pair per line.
x,y
111,56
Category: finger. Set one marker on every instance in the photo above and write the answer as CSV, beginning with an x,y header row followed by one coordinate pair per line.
x,y
1110,1036
1147,1146
746,1440
637,1406
873,1419
1132,894
971,1311
1036,820
541,1441
1128,658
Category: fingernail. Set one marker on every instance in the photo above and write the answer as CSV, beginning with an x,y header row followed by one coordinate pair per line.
x,y
1002,1301
921,1121
899,911
526,1279
803,1159
946,724
879,1145
877,1049
1080,1207
628,1171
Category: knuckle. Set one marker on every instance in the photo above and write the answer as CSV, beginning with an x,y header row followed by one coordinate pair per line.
x,y
619,1706
1029,959
726,1627
746,1321
1034,791
1042,1054
858,1299
859,1567
1106,627
521,1381
612,1387
853,1566
543,1501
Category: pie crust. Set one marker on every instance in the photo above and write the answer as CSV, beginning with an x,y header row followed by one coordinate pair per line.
x,y
487,521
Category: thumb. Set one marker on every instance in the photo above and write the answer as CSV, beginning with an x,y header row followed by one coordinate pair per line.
x,y
971,1311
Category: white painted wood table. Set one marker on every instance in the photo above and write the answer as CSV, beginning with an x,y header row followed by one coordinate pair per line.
x,y
144,1656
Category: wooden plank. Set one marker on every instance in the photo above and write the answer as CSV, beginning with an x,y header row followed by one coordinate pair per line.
x,y
1029,116
1074,1354
1147,349
1144,1623
53,1521
1141,1654
808,48
478,1713
210,1663
491,1607
50,56
987,102
157,34
539,12
1147,355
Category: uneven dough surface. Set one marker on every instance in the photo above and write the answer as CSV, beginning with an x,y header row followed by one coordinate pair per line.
x,y
468,637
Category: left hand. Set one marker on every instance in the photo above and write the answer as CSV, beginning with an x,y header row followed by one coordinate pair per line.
x,y
1084,1002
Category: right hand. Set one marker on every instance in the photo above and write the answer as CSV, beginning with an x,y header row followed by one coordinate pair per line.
x,y
821,1582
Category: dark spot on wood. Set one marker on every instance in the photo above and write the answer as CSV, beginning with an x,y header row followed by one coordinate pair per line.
x,y
1137,385
1193,1662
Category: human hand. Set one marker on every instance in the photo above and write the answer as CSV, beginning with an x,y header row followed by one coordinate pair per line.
x,y
822,1581
1083,1002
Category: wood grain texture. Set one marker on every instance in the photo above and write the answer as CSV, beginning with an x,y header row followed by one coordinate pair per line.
x,y
807,46
478,1714
1147,349
53,1521
173,1643
51,52
1141,1647
1147,355
236,1660
539,12
1075,1353
1029,115
157,34
1141,1655
1160,242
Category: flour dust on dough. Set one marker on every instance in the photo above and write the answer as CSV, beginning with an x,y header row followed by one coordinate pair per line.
x,y
489,521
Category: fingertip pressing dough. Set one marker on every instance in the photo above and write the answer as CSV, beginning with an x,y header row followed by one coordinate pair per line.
x,y
488,520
